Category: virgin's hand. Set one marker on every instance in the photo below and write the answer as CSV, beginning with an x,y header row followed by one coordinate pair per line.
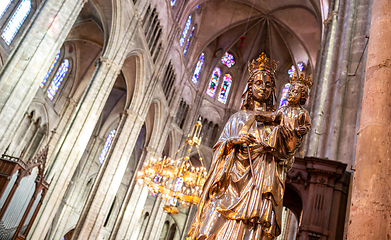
x,y
242,139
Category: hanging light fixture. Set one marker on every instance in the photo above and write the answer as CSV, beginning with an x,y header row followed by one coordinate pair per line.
x,y
176,179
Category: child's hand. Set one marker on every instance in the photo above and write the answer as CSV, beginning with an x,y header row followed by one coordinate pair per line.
x,y
301,131
260,118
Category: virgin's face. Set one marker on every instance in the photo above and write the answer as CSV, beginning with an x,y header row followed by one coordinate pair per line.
x,y
262,86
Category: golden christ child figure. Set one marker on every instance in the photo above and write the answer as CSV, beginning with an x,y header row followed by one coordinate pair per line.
x,y
292,117
242,197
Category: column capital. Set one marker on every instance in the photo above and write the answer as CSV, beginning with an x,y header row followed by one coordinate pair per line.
x,y
110,63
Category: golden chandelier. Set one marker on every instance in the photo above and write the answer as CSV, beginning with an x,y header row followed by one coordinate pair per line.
x,y
177,180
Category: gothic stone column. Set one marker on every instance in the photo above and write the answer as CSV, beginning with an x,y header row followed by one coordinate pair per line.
x,y
129,225
69,151
109,178
29,62
371,194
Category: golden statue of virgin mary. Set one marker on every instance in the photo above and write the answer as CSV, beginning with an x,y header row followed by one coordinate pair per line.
x,y
243,194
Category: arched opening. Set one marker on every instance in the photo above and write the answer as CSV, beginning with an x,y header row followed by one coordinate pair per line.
x,y
68,236
171,233
163,234
293,207
167,147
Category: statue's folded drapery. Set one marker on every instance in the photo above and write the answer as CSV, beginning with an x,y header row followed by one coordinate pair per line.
x,y
236,204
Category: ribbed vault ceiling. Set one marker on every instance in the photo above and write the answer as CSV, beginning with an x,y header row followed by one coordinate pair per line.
x,y
288,31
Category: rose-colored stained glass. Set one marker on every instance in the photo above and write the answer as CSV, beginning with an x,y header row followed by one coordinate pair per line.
x,y
292,70
228,60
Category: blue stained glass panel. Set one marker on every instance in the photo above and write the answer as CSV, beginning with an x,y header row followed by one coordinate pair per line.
x,y
213,82
61,72
228,60
292,70
16,21
301,66
4,4
50,69
107,145
284,94
225,87
173,3
198,68
197,7
188,41
185,30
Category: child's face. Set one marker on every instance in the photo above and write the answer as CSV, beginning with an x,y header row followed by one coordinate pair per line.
x,y
294,94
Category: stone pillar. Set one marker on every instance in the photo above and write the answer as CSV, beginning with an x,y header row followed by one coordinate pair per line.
x,y
109,178
154,219
66,116
320,91
29,62
79,193
371,194
70,148
128,225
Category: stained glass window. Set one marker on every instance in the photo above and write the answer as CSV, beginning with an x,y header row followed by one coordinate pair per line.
x,y
185,30
198,6
301,66
213,82
173,3
107,145
292,70
228,60
4,6
16,21
50,69
225,87
284,94
61,72
198,68
188,41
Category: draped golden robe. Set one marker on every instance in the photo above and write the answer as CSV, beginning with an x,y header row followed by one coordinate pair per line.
x,y
236,204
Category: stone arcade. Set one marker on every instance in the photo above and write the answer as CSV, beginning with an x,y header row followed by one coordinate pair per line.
x,y
121,81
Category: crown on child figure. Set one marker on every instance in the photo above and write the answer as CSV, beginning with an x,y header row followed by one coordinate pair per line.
x,y
306,81
262,63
